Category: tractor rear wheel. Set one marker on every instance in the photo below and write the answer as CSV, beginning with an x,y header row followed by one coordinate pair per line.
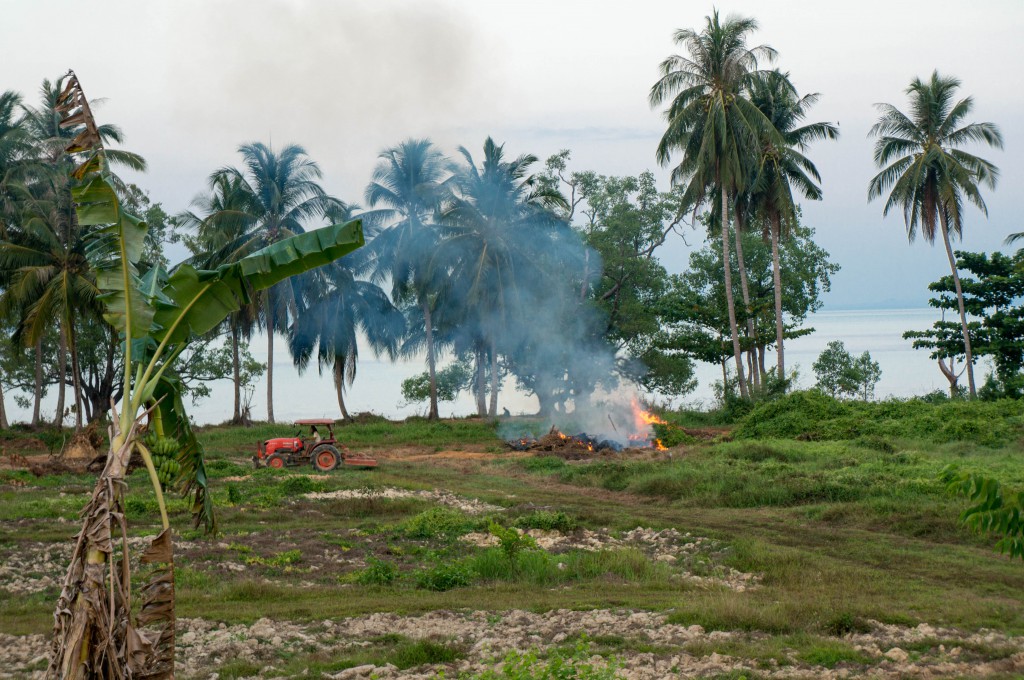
x,y
275,461
326,458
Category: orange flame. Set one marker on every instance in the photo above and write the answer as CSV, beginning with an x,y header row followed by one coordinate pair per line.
x,y
659,446
650,419
642,417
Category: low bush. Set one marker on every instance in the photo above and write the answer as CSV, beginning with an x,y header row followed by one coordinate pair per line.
x,y
437,523
511,542
377,573
547,520
670,435
845,623
444,576
298,485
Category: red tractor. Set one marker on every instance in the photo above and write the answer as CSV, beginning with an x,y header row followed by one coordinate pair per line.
x,y
323,453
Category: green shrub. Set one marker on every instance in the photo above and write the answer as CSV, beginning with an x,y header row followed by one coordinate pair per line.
x,y
511,542
444,576
670,435
845,623
547,520
437,523
377,573
235,495
298,485
535,567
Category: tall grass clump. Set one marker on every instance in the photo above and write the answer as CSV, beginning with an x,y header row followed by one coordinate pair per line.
x,y
437,523
814,416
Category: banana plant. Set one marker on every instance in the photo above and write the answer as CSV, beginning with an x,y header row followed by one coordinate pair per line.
x,y
157,314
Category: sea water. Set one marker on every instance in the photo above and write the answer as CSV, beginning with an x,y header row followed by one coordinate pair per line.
x,y
905,372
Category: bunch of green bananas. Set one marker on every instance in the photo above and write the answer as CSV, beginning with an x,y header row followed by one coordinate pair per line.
x,y
163,450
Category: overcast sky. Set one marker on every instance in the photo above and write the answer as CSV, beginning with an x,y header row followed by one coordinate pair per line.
x,y
190,80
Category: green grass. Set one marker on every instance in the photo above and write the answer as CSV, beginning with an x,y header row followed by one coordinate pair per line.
x,y
815,416
370,433
845,525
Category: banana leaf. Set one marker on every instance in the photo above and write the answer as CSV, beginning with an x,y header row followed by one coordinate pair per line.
x,y
195,301
113,249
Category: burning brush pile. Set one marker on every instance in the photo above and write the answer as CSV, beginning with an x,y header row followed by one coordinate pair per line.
x,y
641,436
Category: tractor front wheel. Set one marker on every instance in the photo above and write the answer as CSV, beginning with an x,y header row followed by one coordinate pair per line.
x,y
275,461
326,458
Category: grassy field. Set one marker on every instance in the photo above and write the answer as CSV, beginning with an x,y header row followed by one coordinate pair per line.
x,y
814,535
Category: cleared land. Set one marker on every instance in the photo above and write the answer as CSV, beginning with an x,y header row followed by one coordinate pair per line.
x,y
811,539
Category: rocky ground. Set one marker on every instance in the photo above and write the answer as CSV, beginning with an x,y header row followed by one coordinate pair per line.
x,y
440,496
641,645
674,650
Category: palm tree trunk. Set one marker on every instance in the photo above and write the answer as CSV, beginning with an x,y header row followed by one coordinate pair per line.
x,y
62,369
270,360
76,376
339,387
431,359
745,289
495,380
969,355
777,281
236,374
38,383
3,410
760,364
733,328
481,384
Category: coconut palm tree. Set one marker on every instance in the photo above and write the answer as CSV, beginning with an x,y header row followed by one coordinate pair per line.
x,y
13,144
493,235
713,124
783,168
279,194
928,175
340,309
49,281
48,235
408,187
222,220
13,151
